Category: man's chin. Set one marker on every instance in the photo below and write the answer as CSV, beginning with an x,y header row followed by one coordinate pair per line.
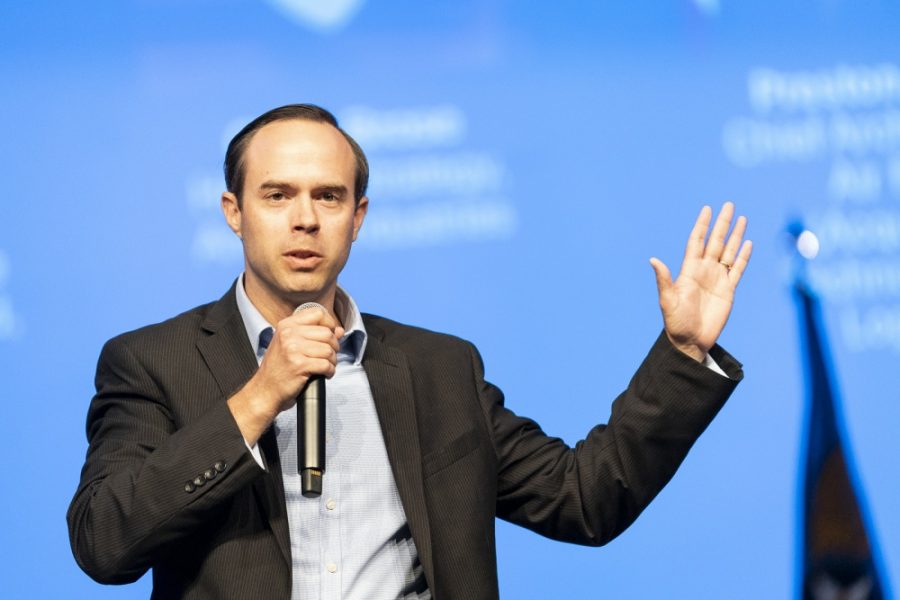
x,y
310,292
294,289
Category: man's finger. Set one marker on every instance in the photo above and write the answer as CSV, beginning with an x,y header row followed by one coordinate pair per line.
x,y
323,367
740,263
319,333
663,275
310,350
729,254
314,316
694,248
716,241
299,339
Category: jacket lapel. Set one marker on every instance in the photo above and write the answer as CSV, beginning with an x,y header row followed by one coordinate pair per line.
x,y
229,356
391,383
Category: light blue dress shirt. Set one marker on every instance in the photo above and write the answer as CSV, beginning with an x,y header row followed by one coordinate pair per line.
x,y
353,542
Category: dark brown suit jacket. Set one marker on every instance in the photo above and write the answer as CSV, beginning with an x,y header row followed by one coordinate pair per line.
x,y
460,458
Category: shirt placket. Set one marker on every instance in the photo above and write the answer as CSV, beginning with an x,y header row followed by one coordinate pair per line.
x,y
333,564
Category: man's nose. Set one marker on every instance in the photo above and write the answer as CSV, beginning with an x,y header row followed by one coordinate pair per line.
x,y
304,216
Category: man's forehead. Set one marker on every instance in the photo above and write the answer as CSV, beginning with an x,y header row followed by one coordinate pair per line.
x,y
298,139
297,132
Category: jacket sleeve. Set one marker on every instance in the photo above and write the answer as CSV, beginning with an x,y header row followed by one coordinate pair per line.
x,y
148,483
592,492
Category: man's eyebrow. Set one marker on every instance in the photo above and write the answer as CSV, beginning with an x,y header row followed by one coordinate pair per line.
x,y
275,185
335,188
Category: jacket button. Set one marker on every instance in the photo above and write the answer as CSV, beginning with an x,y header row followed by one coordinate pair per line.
x,y
210,474
189,487
220,466
199,481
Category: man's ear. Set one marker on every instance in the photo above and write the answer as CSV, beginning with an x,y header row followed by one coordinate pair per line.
x,y
232,211
359,215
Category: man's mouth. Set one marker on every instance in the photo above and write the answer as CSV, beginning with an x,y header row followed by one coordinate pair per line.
x,y
303,254
303,258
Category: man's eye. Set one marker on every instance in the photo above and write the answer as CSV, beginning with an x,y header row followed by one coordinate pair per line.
x,y
277,196
329,197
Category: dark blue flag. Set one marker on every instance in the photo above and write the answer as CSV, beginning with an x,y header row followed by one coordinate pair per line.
x,y
839,556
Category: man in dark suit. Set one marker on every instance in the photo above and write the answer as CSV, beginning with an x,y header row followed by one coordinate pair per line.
x,y
189,469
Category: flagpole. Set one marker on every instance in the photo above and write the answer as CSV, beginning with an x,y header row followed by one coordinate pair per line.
x,y
837,556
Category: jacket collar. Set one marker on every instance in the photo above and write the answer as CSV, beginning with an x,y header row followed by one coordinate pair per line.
x,y
390,380
229,356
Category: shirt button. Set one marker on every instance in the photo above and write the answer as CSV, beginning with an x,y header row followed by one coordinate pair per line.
x,y
199,481
189,487
330,504
331,567
220,466
210,474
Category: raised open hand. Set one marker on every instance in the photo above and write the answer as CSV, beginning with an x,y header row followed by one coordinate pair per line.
x,y
696,306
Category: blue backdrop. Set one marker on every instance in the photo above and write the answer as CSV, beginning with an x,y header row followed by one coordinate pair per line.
x,y
527,160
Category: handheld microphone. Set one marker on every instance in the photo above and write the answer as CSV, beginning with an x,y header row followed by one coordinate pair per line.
x,y
311,429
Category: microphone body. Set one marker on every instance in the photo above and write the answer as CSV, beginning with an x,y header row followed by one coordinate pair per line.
x,y
311,437
311,430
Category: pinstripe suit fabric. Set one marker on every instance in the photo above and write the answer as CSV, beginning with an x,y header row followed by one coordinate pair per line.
x,y
460,458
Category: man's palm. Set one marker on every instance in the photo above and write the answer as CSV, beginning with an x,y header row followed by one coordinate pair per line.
x,y
696,306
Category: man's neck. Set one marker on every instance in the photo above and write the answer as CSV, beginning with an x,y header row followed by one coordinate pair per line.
x,y
274,308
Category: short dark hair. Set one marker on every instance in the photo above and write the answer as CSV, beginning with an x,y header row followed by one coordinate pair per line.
x,y
234,156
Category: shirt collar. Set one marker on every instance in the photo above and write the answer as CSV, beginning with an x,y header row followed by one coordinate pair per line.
x,y
353,344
